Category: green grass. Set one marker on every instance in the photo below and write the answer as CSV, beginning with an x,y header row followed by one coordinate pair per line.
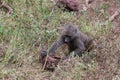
x,y
34,25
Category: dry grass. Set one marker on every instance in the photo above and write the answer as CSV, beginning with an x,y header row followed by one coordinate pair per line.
x,y
35,25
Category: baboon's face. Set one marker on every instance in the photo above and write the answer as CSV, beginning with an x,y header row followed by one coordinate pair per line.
x,y
69,33
67,39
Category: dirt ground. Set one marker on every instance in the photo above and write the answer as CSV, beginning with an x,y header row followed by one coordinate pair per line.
x,y
35,25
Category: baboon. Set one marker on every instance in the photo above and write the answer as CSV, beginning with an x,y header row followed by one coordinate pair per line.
x,y
76,40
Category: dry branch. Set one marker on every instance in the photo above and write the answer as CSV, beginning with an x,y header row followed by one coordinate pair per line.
x,y
5,5
114,16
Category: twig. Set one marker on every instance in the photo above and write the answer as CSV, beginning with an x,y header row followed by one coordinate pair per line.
x,y
4,4
88,2
114,16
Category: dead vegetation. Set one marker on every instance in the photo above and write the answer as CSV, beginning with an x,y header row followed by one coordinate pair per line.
x,y
5,5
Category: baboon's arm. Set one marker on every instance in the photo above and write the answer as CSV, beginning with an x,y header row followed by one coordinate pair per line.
x,y
80,48
55,45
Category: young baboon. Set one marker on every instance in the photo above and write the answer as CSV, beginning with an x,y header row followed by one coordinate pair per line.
x,y
75,39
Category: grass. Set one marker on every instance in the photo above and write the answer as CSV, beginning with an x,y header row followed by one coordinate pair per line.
x,y
35,25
